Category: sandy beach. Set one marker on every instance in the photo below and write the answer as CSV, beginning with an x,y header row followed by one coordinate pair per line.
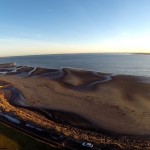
x,y
119,103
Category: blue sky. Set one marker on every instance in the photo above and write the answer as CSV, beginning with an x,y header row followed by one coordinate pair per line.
x,y
73,26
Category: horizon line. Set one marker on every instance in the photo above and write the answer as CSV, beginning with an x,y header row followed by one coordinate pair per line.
x,y
145,53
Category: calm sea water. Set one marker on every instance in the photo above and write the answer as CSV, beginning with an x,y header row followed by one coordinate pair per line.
x,y
130,64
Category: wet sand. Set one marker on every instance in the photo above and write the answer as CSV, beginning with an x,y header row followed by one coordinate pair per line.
x,y
118,103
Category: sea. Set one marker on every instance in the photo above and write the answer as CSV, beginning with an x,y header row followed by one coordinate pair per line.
x,y
128,64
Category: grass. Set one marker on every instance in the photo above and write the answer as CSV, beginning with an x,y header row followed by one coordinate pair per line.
x,y
11,139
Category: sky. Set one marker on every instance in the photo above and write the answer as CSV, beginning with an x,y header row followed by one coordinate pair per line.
x,y
32,27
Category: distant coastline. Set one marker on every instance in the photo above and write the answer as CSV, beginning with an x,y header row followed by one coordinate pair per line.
x,y
141,53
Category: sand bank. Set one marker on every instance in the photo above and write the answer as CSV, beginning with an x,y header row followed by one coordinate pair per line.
x,y
120,104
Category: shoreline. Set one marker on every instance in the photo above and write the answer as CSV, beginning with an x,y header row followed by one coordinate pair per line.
x,y
65,90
